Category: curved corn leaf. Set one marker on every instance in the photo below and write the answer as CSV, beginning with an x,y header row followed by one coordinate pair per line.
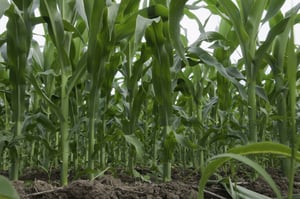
x,y
78,73
261,93
212,61
293,10
161,64
272,10
81,11
112,17
184,141
255,148
234,14
138,100
57,27
129,26
33,80
7,191
132,139
237,191
255,166
234,72
142,24
41,119
276,30
255,11
175,15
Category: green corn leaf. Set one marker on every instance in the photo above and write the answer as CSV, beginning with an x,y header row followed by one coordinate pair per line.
x,y
276,30
184,85
57,27
89,5
212,61
48,73
272,9
4,6
129,7
97,55
255,12
294,196
234,72
292,64
94,50
110,73
184,141
111,17
156,10
193,16
41,119
33,80
37,54
56,23
70,28
138,100
237,191
261,93
244,193
129,26
3,41
245,8
255,148
208,107
175,15
169,145
280,47
81,10
78,73
161,75
7,191
138,145
293,10
19,37
265,147
125,29
211,36
234,14
67,26
142,24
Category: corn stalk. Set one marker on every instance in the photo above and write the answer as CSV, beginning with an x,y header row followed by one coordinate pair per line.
x,y
18,44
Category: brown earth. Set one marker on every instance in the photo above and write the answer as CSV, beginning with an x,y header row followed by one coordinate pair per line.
x,y
37,185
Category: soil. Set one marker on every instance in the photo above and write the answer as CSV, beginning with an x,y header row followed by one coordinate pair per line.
x,y
114,185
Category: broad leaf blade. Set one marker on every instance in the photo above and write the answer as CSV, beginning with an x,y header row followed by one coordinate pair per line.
x,y
7,191
132,139
273,8
255,148
175,15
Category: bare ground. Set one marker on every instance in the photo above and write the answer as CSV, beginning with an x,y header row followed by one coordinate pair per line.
x,y
184,185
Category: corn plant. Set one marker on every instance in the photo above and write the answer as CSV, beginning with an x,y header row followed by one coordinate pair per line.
x,y
117,84
18,45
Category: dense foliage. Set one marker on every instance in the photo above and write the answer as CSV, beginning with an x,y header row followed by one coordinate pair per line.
x,y
118,85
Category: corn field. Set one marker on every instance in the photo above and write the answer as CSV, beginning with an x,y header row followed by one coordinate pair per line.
x,y
118,84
